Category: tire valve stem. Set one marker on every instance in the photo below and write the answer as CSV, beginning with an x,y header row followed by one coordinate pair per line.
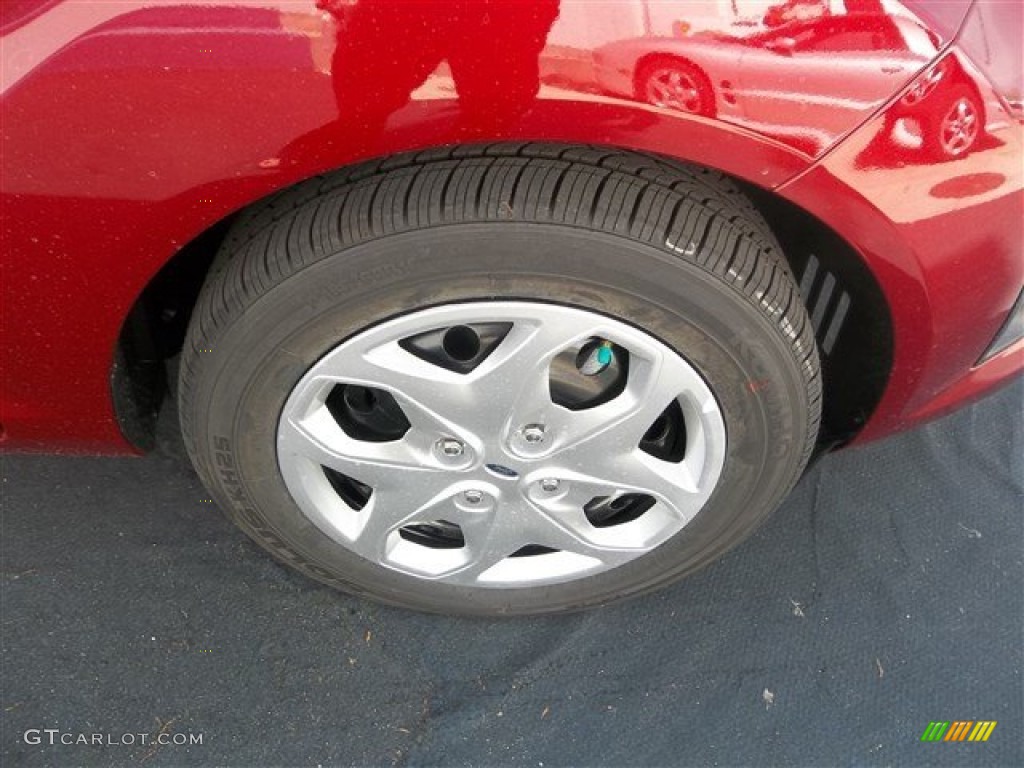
x,y
595,357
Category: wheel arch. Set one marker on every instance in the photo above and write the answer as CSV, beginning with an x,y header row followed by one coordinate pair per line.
x,y
856,364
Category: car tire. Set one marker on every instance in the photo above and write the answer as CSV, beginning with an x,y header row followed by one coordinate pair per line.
x,y
669,269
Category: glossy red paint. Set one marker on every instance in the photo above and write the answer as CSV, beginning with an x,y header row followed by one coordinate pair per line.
x,y
130,128
947,253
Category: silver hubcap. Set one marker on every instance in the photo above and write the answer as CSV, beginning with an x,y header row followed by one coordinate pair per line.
x,y
960,127
671,88
480,473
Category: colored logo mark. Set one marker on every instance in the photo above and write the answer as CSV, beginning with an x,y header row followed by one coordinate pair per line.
x,y
959,730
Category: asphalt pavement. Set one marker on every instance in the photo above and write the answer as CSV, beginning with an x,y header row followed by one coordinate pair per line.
x,y
887,593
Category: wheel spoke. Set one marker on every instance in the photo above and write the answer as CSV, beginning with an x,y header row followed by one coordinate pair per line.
x,y
568,533
671,484
392,508
423,391
319,438
513,382
659,93
619,425
487,546
523,524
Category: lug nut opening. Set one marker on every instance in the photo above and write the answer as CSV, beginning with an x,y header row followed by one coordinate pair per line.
x,y
435,534
532,550
350,490
588,375
361,399
665,439
367,413
461,343
605,512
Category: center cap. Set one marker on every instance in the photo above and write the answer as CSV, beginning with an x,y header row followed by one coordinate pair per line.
x,y
501,471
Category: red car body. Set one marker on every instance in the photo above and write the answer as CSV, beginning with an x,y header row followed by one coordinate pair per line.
x,y
133,131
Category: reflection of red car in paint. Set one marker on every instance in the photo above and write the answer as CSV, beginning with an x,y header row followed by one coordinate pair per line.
x,y
454,335
944,110
772,81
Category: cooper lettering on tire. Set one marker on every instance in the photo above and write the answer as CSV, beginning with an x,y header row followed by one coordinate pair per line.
x,y
501,380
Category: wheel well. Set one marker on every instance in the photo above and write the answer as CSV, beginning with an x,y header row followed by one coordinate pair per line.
x,y
850,314
846,305
153,333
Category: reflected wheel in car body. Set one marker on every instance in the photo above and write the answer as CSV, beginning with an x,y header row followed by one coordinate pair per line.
x,y
954,128
676,84
500,380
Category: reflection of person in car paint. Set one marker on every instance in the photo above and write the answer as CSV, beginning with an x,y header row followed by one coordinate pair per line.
x,y
794,10
385,50
802,10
